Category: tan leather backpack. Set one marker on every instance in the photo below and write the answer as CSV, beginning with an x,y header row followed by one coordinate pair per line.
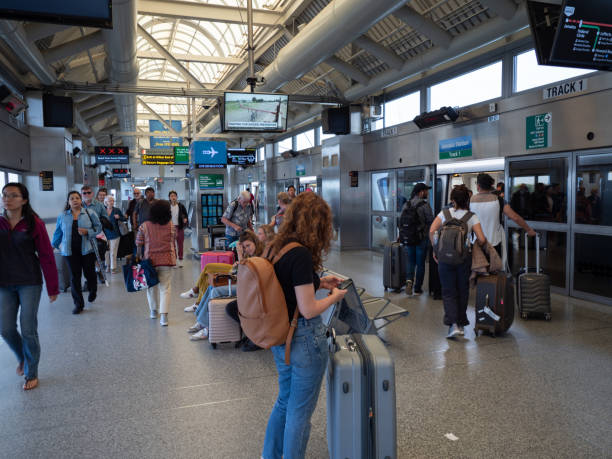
x,y
262,307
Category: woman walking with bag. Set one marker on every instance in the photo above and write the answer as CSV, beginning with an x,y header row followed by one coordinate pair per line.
x,y
308,221
455,278
24,250
113,235
74,235
157,236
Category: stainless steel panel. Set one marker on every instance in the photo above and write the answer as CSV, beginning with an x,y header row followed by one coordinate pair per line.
x,y
15,148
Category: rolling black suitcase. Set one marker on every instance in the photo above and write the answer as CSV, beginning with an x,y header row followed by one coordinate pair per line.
x,y
533,287
361,412
494,303
394,271
435,288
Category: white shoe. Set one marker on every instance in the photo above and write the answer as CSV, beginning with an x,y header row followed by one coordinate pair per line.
x,y
453,331
153,314
462,331
188,294
202,334
195,328
163,321
191,308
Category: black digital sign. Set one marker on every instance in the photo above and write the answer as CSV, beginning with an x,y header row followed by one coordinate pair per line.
x,y
241,156
121,173
584,35
112,155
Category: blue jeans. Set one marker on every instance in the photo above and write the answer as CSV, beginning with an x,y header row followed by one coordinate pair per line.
x,y
26,346
211,292
415,259
455,282
299,385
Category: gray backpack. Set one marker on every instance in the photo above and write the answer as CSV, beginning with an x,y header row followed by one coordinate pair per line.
x,y
453,247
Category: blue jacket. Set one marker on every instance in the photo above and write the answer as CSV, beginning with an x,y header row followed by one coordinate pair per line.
x,y
62,238
96,206
114,233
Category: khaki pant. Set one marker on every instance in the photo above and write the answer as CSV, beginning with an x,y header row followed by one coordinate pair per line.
x,y
161,290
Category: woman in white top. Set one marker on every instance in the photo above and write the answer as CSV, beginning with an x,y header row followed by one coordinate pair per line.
x,y
486,205
455,279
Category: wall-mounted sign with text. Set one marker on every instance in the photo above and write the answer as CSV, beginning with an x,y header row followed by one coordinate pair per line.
x,y
300,170
112,155
538,131
181,155
459,147
211,181
46,180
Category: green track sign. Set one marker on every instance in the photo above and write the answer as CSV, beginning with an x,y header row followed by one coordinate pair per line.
x,y
181,155
538,131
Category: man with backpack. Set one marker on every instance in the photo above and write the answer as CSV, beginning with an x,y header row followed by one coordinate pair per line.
x,y
237,217
414,225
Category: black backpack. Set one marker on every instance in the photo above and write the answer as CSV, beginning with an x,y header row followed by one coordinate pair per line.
x,y
452,247
411,226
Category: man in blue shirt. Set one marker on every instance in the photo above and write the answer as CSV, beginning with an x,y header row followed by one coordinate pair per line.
x,y
90,203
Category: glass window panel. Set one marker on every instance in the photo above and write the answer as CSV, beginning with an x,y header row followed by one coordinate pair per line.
x,y
594,190
531,75
403,109
552,254
538,189
305,140
593,264
324,136
470,88
261,153
382,231
382,199
13,177
375,125
2,179
406,180
284,145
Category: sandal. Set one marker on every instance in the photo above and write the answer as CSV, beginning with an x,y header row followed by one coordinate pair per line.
x,y
30,384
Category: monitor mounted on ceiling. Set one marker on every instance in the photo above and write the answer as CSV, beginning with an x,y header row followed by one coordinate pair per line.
x,y
254,112
89,13
583,38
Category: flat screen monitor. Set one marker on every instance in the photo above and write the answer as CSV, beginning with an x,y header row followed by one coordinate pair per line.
x,y
336,120
57,111
255,112
543,19
90,13
584,35
241,156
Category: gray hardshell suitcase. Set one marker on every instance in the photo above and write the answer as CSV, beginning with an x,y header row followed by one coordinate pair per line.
x,y
221,327
533,287
394,271
63,271
361,411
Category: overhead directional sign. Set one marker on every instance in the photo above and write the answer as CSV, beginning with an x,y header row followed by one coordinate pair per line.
x,y
181,155
207,154
112,155
455,148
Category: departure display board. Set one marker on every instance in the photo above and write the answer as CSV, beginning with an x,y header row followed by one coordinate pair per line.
x,y
584,35
241,156
121,173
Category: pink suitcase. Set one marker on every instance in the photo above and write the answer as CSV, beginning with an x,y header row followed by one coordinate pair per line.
x,y
216,257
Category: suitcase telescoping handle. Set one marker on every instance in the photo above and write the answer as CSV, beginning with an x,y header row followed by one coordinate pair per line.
x,y
537,239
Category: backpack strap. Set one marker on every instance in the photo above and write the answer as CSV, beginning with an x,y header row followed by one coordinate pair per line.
x,y
447,214
466,217
293,323
501,202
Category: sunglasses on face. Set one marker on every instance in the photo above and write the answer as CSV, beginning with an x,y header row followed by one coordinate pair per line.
x,y
86,192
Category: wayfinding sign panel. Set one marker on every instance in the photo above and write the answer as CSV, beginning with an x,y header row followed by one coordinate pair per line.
x,y
459,147
538,130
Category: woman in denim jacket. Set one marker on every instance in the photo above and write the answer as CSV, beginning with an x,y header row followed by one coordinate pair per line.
x,y
308,221
75,232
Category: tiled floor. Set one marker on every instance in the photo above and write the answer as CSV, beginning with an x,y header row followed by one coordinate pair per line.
x,y
116,384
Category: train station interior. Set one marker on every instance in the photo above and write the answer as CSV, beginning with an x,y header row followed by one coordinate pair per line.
x,y
356,101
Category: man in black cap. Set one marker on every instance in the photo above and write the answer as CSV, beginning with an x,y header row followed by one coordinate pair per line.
x,y
415,221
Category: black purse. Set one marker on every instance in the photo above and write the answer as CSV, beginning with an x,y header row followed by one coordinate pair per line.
x,y
106,223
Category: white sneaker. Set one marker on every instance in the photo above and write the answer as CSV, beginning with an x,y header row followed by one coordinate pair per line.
x,y
195,328
153,314
191,308
453,331
202,334
462,331
163,321
188,294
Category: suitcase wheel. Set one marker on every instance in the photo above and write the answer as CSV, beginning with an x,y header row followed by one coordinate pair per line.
x,y
548,316
214,345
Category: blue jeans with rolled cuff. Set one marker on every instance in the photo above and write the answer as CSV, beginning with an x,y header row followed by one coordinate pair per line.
x,y
299,385
25,346
211,293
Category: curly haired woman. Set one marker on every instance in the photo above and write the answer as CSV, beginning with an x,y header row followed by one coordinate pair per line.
x,y
308,221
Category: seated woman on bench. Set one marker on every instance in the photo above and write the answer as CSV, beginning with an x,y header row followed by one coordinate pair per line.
x,y
248,246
